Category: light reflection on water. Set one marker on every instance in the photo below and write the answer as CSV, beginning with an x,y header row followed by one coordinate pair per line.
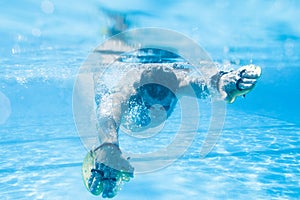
x,y
43,160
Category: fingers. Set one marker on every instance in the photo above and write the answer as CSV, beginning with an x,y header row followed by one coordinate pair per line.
x,y
109,182
95,182
239,82
103,180
100,178
248,77
246,83
250,71
245,86
108,171
109,186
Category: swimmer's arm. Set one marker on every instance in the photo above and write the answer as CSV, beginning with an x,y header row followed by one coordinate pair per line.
x,y
109,164
226,85
109,114
111,109
192,86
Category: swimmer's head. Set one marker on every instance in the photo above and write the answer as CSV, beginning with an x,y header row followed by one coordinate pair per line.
x,y
155,94
156,91
158,85
159,76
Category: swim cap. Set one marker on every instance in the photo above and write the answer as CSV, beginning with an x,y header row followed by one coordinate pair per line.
x,y
160,75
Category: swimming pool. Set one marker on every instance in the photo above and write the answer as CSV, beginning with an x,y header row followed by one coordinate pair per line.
x,y
43,44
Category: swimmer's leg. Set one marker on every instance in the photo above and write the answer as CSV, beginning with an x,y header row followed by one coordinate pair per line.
x,y
238,82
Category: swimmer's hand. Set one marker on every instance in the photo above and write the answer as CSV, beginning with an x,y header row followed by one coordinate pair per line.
x,y
109,171
239,82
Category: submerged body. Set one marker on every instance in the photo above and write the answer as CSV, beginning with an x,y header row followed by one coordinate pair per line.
x,y
148,97
144,100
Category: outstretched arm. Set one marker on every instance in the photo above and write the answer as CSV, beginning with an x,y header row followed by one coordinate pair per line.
x,y
227,84
191,86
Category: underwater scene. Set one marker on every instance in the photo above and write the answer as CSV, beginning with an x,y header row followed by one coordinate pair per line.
x,y
47,129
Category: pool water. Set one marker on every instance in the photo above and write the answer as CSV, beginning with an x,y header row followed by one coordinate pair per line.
x,y
44,43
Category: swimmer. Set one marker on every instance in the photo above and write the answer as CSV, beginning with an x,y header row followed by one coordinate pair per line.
x,y
145,101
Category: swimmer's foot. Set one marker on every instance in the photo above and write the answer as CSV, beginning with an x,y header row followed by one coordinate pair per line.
x,y
238,82
104,170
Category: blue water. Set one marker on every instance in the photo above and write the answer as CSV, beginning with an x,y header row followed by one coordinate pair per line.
x,y
43,44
